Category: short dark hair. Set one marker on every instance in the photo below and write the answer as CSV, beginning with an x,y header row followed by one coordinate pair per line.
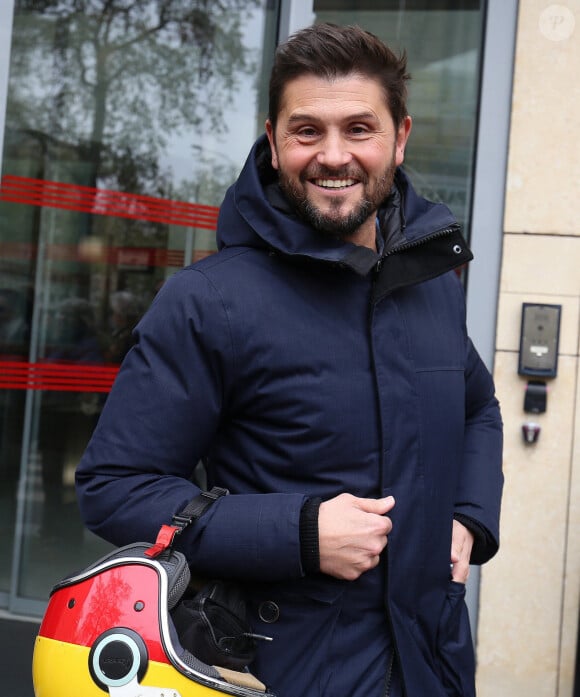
x,y
328,50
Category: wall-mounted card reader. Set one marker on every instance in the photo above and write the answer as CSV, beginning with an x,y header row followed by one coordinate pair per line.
x,y
539,339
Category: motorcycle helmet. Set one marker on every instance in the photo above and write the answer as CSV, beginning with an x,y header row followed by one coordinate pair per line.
x,y
109,630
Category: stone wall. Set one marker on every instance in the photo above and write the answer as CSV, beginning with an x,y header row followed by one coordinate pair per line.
x,y
529,594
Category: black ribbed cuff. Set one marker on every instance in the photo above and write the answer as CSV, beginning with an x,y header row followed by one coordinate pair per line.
x,y
309,549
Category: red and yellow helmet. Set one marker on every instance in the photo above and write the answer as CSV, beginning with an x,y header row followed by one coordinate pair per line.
x,y
109,630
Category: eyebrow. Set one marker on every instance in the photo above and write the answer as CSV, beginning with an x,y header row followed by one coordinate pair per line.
x,y
361,116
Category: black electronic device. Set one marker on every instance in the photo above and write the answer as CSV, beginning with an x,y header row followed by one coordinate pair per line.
x,y
539,339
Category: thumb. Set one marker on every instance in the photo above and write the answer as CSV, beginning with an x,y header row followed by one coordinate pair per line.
x,y
377,506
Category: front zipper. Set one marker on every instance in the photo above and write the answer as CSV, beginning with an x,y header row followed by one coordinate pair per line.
x,y
394,649
389,677
416,243
388,275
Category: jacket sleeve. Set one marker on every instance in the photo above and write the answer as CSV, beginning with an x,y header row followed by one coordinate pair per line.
x,y
479,492
158,422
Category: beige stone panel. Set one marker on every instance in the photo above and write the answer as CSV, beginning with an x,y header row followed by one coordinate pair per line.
x,y
544,153
522,589
541,264
570,614
509,320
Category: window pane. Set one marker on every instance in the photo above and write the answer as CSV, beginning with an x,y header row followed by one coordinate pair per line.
x,y
443,41
125,123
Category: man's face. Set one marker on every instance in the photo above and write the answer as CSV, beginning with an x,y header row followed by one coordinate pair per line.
x,y
336,149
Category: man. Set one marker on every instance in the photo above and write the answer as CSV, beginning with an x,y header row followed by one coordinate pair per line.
x,y
319,365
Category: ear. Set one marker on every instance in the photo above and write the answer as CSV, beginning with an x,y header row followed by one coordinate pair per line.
x,y
270,134
403,133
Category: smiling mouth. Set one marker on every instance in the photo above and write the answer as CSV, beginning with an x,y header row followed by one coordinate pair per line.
x,y
334,183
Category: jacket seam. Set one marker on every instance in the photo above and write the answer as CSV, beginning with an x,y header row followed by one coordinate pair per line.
x,y
227,317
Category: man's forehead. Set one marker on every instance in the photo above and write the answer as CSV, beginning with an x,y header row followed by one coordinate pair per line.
x,y
310,90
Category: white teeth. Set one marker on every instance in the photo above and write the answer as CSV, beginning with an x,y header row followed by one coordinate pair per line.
x,y
334,183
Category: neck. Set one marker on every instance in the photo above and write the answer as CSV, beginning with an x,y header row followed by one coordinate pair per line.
x,y
366,234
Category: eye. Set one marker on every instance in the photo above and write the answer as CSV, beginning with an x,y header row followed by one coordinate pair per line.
x,y
307,132
358,129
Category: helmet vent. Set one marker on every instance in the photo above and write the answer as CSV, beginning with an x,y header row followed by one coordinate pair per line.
x,y
117,657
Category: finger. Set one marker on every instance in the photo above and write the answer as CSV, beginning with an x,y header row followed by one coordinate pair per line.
x,y
378,506
460,571
456,552
461,543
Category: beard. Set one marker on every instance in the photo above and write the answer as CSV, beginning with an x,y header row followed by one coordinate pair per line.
x,y
333,222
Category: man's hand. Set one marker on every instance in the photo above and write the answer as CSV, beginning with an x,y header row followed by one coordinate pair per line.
x,y
352,534
461,544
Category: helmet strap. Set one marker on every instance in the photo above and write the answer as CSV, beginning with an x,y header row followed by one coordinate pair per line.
x,y
192,512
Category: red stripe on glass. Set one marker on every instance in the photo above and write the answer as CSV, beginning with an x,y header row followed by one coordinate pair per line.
x,y
64,377
87,199
94,252
91,253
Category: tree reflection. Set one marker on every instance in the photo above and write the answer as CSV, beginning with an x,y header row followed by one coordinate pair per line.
x,y
107,605
123,78
102,93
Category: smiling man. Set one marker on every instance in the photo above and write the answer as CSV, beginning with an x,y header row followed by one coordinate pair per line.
x,y
319,366
336,149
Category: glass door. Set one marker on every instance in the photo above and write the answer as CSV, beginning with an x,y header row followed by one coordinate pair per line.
x,y
125,122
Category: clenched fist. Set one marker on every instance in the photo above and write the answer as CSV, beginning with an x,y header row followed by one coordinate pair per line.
x,y
352,534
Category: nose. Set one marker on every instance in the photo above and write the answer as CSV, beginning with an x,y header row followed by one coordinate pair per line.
x,y
334,152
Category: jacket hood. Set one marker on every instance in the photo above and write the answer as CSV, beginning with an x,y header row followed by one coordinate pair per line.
x,y
255,213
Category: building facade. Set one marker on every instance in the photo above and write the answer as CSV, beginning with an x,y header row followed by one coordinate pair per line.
x,y
119,132
528,619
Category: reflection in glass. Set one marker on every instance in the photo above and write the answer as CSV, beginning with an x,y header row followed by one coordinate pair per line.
x,y
125,123
14,333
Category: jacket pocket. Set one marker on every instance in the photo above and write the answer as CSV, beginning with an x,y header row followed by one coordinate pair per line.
x,y
300,617
455,652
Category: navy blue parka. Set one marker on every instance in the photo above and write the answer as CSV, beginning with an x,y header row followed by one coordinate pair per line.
x,y
297,366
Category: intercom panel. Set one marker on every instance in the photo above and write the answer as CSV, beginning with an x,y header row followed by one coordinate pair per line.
x,y
539,339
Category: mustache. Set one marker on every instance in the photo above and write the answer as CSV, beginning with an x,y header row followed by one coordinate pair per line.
x,y
322,172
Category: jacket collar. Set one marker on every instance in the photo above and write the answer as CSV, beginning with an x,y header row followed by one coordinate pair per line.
x,y
255,213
